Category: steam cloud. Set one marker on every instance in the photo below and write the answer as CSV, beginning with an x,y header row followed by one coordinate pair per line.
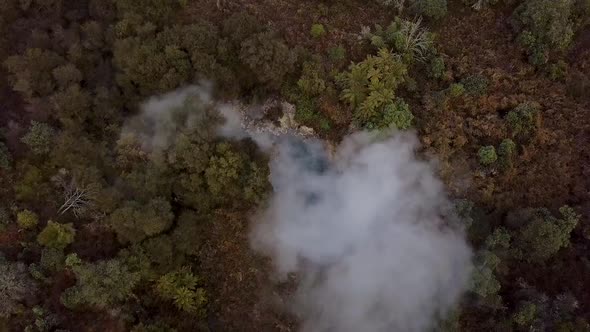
x,y
364,229
365,233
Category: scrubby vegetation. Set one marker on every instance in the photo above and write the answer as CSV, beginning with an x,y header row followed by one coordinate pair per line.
x,y
103,229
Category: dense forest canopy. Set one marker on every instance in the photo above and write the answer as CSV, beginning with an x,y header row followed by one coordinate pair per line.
x,y
136,170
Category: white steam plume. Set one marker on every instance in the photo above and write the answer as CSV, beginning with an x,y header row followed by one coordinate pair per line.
x,y
364,232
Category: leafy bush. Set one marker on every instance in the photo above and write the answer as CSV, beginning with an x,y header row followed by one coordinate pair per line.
x,y
39,138
312,81
558,71
52,259
544,234
436,68
506,151
337,53
181,288
165,60
134,222
483,279
522,120
317,31
27,219
456,90
525,314
435,9
397,115
100,285
268,57
464,208
499,239
56,235
67,75
31,186
369,86
545,26
475,85
487,155
32,72
15,284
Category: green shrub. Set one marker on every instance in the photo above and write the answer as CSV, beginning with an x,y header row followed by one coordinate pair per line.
x,y
475,85
487,155
436,68
312,81
39,138
558,71
369,86
525,314
506,151
483,279
5,157
522,121
435,9
181,288
101,284
268,57
27,219
545,26
464,208
456,90
52,259
134,222
56,235
499,239
318,31
543,235
397,115
15,285
337,53
72,260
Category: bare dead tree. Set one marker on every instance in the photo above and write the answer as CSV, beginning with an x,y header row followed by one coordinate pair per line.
x,y
77,198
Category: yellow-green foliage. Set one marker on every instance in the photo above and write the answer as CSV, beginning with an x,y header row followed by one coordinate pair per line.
x,y
56,235
523,120
525,314
487,155
134,222
369,86
39,138
27,219
101,285
506,151
318,30
181,287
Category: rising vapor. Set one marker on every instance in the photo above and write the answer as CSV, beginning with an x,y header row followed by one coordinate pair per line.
x,y
364,228
364,232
